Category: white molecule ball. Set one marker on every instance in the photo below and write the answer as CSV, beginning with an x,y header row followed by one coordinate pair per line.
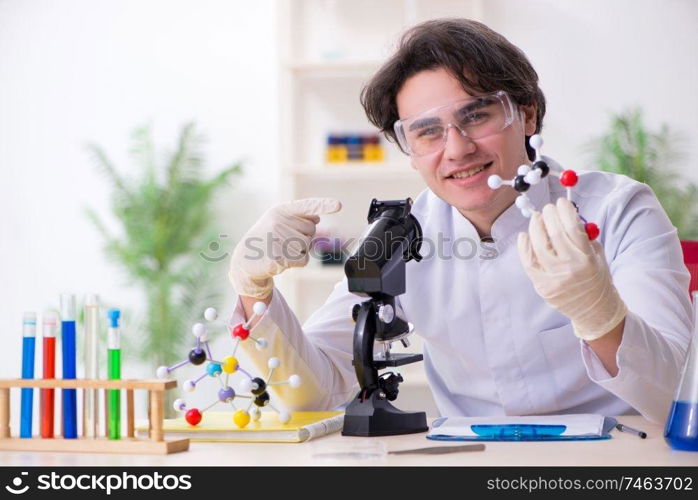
x,y
536,141
246,385
294,381
189,385
526,213
179,405
533,177
494,181
523,169
199,330
273,363
261,344
259,307
162,372
210,314
284,416
521,202
255,414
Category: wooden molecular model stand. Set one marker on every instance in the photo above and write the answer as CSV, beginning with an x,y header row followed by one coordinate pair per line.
x,y
155,445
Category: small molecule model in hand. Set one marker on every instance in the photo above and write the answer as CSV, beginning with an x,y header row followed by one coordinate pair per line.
x,y
529,176
257,386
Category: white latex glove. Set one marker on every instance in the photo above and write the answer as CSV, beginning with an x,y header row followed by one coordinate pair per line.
x,y
569,271
291,227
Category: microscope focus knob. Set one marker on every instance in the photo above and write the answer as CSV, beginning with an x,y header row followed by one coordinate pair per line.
x,y
386,313
355,312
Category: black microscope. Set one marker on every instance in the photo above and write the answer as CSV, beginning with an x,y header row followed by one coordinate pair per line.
x,y
376,270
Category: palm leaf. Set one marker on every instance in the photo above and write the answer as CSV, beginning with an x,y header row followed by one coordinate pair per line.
x,y
164,215
629,148
106,167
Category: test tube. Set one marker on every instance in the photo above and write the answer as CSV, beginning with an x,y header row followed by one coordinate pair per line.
x,y
114,369
69,396
91,402
28,346
50,325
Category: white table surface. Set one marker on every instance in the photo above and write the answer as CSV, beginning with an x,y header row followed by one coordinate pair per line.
x,y
623,449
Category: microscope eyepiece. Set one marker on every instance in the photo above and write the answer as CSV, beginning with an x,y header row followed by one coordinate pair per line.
x,y
393,238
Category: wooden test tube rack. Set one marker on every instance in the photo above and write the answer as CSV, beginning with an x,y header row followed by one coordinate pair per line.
x,y
155,445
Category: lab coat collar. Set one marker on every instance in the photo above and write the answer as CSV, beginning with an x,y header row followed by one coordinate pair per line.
x,y
510,222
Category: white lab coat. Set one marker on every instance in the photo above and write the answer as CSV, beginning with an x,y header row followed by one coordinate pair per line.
x,y
492,346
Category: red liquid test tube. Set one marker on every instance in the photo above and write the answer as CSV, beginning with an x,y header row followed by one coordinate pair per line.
x,y
50,327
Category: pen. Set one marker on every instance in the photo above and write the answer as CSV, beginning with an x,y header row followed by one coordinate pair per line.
x,y
70,403
28,344
114,372
50,325
625,428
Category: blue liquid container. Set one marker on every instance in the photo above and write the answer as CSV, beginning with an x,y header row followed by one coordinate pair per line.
x,y
681,432
28,344
70,401
682,427
69,396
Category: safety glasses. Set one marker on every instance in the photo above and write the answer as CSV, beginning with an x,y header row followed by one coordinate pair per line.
x,y
474,117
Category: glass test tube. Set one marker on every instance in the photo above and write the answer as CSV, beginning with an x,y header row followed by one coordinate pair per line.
x,y
91,403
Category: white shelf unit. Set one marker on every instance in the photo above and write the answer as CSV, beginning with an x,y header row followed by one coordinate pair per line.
x,y
329,49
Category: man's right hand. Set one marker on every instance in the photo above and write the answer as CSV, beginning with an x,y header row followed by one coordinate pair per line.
x,y
287,230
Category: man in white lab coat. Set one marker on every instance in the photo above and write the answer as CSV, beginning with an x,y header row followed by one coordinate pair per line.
x,y
549,321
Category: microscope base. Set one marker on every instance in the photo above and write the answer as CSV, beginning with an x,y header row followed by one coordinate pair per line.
x,y
375,416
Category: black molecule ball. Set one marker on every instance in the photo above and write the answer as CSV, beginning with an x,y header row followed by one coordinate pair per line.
x,y
197,356
520,184
261,386
544,168
262,400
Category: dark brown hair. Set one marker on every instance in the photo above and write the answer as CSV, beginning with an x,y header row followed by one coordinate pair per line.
x,y
481,59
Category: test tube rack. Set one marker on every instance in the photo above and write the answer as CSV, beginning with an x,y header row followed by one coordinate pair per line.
x,y
155,444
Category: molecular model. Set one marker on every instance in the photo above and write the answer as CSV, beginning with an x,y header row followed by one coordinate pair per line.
x,y
528,176
256,386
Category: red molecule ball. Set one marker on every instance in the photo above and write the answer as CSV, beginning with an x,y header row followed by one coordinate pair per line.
x,y
241,332
592,230
193,416
569,178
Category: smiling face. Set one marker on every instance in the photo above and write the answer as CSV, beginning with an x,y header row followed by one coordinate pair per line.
x,y
456,174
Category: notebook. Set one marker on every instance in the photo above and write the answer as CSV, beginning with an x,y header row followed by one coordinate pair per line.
x,y
218,426
528,428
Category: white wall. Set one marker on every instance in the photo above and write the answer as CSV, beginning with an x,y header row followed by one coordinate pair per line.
x,y
74,71
596,57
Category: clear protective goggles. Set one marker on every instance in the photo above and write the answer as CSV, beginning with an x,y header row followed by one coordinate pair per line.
x,y
474,117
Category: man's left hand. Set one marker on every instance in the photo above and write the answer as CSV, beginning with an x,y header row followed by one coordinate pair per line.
x,y
569,271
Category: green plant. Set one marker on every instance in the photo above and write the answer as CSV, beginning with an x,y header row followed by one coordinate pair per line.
x,y
629,148
165,215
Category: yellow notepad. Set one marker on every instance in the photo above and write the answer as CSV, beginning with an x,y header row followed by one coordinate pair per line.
x,y
218,426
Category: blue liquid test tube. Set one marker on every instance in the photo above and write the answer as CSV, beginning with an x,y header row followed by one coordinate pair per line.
x,y
69,396
28,347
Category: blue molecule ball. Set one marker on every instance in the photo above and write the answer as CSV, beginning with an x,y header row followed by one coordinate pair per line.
x,y
214,369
